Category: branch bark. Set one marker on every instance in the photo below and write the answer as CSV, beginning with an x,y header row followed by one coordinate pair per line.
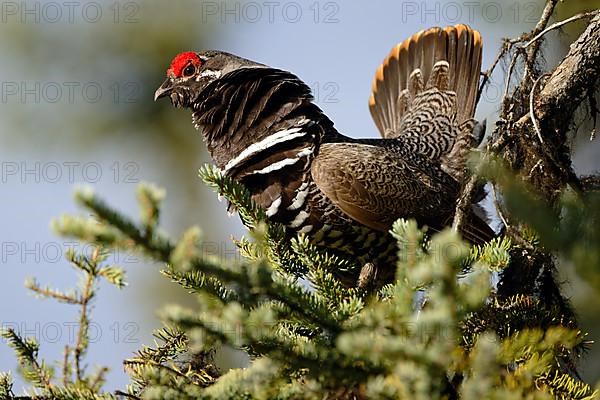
x,y
531,133
545,163
532,137
572,80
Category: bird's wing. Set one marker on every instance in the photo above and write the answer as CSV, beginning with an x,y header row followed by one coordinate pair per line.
x,y
375,185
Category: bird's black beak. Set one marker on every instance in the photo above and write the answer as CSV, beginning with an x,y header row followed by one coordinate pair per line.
x,y
164,89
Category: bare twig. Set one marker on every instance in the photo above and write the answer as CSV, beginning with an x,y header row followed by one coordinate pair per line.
x,y
128,395
86,297
571,81
50,293
557,25
96,383
546,14
513,62
534,122
506,45
594,111
539,27
66,376
552,102
465,201
499,208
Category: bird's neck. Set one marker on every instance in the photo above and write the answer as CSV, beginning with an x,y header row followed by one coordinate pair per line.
x,y
248,106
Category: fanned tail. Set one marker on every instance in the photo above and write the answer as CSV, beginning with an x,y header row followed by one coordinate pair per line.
x,y
424,95
448,59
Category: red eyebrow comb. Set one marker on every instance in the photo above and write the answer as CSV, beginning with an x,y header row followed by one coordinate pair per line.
x,y
180,61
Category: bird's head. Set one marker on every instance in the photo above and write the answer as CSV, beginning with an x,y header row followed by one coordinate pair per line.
x,y
191,72
227,96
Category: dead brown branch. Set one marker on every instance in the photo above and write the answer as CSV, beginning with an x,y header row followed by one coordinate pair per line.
x,y
535,118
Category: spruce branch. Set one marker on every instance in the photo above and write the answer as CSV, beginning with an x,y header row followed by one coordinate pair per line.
x,y
259,278
331,338
26,350
76,384
238,196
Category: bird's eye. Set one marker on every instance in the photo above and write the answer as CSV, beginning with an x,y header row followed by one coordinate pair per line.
x,y
189,70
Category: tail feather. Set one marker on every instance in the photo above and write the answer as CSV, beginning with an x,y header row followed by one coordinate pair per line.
x,y
424,95
477,230
460,46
